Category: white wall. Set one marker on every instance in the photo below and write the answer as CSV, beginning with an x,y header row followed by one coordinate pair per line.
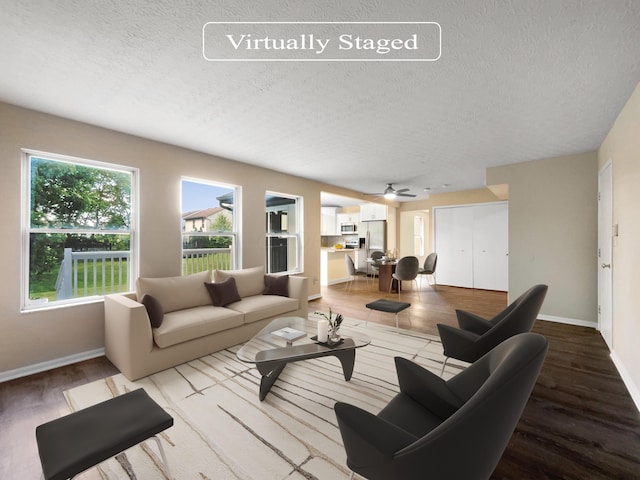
x,y
622,146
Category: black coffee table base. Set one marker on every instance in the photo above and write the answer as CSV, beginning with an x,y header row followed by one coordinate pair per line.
x,y
270,370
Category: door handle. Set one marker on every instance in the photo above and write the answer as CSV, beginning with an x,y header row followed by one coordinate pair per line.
x,y
606,265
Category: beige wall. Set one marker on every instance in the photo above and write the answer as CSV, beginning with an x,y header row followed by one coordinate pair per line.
x,y
622,146
406,233
46,335
553,232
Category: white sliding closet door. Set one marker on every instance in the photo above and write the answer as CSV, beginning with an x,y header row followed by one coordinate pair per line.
x,y
454,246
491,247
472,245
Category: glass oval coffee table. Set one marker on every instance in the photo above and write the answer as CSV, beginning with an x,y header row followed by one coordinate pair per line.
x,y
291,339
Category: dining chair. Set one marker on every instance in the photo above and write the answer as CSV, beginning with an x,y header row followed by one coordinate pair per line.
x,y
375,258
406,269
353,272
429,268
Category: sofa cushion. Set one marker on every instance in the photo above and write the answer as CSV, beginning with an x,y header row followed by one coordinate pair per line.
x,y
276,285
250,281
258,307
184,325
224,292
176,293
154,310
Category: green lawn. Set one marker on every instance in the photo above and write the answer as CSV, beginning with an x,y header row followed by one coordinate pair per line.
x,y
211,261
45,285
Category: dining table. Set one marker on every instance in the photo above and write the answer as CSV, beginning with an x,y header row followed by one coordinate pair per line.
x,y
385,276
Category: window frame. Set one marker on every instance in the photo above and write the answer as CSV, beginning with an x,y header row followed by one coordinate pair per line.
x,y
298,234
235,234
418,236
28,305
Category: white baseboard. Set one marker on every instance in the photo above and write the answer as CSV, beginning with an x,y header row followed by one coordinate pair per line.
x,y
50,364
633,389
314,297
569,321
338,280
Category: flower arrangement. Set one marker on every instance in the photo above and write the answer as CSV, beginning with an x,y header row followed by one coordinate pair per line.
x,y
334,321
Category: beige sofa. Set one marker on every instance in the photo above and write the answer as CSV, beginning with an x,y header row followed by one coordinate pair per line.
x,y
191,326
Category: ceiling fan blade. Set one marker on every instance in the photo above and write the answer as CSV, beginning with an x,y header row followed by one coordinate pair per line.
x,y
392,191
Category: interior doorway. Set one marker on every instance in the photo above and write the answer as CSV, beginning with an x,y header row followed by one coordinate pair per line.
x,y
605,244
415,234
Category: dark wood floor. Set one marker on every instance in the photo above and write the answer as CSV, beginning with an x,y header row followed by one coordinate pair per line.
x,y
580,422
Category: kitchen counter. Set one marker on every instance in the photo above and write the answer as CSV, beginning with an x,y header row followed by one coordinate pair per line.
x,y
340,250
332,265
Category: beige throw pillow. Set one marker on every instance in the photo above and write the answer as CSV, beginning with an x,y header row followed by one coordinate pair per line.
x,y
176,293
249,281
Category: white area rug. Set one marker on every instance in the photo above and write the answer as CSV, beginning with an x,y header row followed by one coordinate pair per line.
x,y
223,431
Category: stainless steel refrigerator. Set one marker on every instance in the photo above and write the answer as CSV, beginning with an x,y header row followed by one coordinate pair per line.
x,y
374,234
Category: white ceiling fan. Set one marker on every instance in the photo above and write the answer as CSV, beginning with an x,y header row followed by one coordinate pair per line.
x,y
390,193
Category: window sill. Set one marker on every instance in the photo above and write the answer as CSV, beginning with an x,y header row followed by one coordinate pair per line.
x,y
26,309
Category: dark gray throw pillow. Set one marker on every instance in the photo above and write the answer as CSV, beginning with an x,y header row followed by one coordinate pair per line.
x,y
154,310
224,292
276,285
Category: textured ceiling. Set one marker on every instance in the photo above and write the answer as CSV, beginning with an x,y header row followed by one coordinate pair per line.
x,y
516,81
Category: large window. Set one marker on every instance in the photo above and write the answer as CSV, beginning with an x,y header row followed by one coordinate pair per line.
x,y
209,216
78,229
284,233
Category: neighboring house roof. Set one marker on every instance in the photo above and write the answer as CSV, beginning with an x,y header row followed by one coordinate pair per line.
x,y
226,201
204,213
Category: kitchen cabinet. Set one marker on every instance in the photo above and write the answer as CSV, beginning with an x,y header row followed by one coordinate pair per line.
x,y
328,225
472,246
372,211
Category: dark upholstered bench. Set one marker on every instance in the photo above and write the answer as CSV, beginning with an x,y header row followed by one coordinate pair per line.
x,y
388,306
76,442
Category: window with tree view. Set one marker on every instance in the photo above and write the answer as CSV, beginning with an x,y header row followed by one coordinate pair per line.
x,y
79,229
209,236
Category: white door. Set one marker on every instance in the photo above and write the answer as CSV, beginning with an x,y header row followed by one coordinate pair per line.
x,y
472,245
453,228
605,238
491,247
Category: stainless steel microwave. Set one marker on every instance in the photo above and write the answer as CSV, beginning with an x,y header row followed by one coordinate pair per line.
x,y
348,228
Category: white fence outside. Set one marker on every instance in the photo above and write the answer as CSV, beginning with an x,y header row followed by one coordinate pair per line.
x,y
84,274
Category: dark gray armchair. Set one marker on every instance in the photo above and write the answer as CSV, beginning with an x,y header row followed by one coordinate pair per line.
x,y
436,429
476,336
